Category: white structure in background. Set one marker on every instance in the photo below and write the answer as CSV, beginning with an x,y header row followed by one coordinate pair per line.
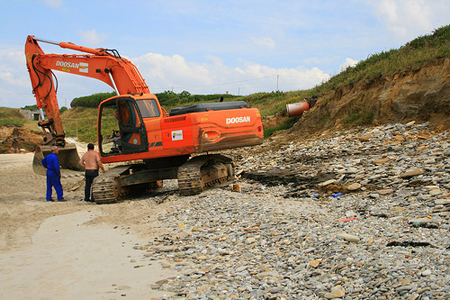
x,y
31,114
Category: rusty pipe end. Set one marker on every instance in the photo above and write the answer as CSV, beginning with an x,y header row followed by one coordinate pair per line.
x,y
297,109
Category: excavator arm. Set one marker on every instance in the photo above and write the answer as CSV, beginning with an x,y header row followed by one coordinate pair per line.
x,y
102,64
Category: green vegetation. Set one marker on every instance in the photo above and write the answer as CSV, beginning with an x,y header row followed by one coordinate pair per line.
x,y
414,53
92,100
275,102
358,116
11,117
81,122
12,122
34,107
168,99
62,109
30,107
288,123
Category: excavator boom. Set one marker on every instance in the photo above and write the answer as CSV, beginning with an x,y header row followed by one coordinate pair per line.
x,y
102,64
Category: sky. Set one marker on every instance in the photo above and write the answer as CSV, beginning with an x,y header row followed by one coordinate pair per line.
x,y
239,47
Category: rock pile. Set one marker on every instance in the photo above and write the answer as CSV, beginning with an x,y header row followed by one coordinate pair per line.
x,y
354,215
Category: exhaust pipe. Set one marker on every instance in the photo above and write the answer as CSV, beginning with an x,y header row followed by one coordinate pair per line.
x,y
68,158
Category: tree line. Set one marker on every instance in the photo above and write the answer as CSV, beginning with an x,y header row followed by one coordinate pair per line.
x,y
166,99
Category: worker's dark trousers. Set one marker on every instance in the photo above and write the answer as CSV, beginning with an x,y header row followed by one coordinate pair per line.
x,y
89,175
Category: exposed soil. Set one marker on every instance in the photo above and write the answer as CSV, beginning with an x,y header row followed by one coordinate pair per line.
x,y
14,139
416,93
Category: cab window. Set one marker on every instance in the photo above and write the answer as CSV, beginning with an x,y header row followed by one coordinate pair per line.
x,y
148,108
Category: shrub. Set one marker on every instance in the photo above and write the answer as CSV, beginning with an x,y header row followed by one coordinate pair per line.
x,y
92,100
357,116
288,123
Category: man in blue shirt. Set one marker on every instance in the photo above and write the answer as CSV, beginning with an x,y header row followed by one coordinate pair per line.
x,y
51,162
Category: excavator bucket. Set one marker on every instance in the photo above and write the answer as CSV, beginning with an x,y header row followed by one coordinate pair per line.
x,y
68,158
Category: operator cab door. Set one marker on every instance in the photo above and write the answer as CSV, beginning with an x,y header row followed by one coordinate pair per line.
x,y
121,128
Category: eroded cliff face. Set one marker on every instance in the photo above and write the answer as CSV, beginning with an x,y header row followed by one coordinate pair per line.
x,y
420,93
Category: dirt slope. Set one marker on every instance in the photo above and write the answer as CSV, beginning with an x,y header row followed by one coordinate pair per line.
x,y
14,139
419,93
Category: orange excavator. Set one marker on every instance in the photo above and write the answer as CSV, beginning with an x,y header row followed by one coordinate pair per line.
x,y
132,127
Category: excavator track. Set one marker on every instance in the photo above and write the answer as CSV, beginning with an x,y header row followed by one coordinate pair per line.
x,y
106,187
194,176
203,172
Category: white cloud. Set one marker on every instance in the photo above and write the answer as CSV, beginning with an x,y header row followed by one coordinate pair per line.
x,y
174,72
404,18
349,62
53,3
265,42
92,39
163,72
215,60
15,86
10,61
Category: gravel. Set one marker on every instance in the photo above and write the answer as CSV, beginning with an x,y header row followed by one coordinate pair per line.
x,y
360,214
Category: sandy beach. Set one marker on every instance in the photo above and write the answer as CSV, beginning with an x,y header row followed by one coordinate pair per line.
x,y
73,249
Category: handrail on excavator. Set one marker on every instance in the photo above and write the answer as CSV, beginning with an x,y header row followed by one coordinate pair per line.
x,y
72,46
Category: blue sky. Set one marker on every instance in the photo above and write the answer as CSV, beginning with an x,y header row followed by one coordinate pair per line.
x,y
204,47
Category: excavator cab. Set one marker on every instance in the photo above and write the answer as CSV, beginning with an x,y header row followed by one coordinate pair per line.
x,y
120,127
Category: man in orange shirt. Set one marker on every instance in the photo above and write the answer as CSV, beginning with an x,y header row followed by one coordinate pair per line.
x,y
91,163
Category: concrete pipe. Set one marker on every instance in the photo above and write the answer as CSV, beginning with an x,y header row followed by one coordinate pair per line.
x,y
297,109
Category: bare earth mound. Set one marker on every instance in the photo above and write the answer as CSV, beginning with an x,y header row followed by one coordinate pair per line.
x,y
17,139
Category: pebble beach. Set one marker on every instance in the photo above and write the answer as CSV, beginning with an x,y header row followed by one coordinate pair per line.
x,y
357,214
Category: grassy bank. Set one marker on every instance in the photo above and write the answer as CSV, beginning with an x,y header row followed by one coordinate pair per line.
x,y
11,117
